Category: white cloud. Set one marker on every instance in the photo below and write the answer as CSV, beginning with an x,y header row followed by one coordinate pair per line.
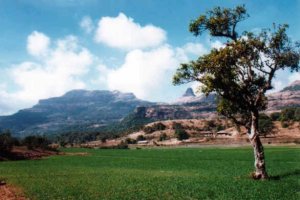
x,y
145,73
195,48
294,77
86,24
55,74
122,32
217,44
37,43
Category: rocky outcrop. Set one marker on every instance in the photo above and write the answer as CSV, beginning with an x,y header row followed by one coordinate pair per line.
x,y
287,97
80,108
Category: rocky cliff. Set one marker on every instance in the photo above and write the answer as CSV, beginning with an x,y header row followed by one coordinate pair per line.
x,y
287,97
79,108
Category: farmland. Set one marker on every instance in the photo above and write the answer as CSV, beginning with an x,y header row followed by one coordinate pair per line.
x,y
177,173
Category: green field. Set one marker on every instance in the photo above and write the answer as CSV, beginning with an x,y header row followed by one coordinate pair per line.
x,y
194,173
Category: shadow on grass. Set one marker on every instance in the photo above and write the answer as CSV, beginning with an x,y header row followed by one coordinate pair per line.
x,y
285,175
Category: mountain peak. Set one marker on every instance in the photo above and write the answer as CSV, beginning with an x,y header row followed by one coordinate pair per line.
x,y
294,86
189,93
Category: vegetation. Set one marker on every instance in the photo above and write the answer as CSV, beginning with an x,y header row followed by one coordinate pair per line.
x,y
211,125
181,134
290,114
140,138
33,142
240,72
265,125
155,127
163,137
6,142
77,135
195,173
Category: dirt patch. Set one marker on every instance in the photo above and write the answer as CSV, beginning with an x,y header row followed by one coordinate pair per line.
x,y
22,153
9,192
75,154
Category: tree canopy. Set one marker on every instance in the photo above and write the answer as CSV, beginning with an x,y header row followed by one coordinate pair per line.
x,y
241,71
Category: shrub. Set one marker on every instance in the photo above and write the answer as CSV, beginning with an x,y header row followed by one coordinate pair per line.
x,y
103,140
181,134
122,145
284,124
33,142
140,138
265,125
288,114
6,142
176,126
130,141
155,127
163,136
275,116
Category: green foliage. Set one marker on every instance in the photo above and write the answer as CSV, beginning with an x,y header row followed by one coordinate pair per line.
x,y
155,127
237,72
176,125
6,142
130,141
265,125
140,138
163,137
76,135
288,114
178,173
33,142
275,116
181,134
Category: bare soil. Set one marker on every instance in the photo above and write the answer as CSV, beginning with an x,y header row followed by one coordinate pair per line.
x,y
22,153
9,192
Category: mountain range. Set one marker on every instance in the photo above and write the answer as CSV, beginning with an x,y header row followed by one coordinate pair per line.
x,y
95,109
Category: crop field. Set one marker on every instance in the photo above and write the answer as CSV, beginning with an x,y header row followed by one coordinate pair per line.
x,y
179,173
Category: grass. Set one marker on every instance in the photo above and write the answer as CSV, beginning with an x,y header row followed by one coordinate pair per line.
x,y
193,173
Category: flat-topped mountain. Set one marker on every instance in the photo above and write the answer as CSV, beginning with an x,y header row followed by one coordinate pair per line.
x,y
86,110
77,107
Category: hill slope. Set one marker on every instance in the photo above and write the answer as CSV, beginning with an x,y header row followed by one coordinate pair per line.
x,y
75,108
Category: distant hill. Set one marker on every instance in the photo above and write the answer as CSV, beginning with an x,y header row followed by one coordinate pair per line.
x,y
188,106
287,97
78,108
82,111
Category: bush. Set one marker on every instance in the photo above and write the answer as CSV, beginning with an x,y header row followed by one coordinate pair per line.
x,y
284,124
275,116
163,136
155,127
265,125
181,134
130,141
122,145
140,138
6,142
288,114
103,140
176,126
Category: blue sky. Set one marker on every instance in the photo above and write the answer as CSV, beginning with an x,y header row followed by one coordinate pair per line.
x,y
49,47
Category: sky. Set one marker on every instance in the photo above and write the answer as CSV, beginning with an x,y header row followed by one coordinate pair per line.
x,y
49,47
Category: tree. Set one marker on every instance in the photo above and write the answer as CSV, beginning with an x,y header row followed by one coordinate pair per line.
x,y
240,72
6,142
265,125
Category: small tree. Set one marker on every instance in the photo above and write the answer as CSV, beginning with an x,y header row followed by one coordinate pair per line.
x,y
265,125
240,72
181,134
6,142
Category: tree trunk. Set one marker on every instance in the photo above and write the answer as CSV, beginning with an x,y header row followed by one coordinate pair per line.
x,y
259,164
